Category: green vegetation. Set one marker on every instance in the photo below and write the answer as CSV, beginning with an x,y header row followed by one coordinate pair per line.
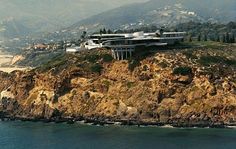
x,y
106,83
190,38
37,59
139,54
211,44
96,68
133,64
182,70
89,62
95,56
209,31
208,60
57,61
224,33
206,44
107,58
130,84
211,52
92,58
189,54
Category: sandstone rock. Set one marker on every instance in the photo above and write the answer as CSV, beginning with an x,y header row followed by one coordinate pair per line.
x,y
132,111
122,108
212,90
226,86
194,95
150,93
86,95
16,59
184,79
7,94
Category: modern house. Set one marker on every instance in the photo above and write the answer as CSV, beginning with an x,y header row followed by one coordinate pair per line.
x,y
123,45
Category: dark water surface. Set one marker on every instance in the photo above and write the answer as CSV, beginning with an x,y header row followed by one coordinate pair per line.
x,y
29,135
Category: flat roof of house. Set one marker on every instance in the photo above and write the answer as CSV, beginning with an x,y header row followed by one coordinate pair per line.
x,y
167,33
146,38
104,35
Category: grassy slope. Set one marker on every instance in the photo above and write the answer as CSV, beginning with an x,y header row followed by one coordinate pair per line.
x,y
202,53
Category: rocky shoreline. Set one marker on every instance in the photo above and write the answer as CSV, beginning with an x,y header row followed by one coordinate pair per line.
x,y
166,88
105,122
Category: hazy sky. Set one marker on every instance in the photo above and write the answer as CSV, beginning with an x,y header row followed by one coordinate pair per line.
x,y
38,13
15,8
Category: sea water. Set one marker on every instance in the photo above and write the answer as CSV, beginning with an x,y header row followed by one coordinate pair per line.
x,y
37,135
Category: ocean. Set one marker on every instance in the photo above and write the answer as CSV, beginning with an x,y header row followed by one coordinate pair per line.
x,y
37,135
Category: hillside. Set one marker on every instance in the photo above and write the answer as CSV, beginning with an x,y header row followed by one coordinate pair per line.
x,y
12,28
48,15
181,87
46,21
167,13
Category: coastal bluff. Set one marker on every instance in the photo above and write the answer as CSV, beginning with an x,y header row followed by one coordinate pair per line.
x,y
188,87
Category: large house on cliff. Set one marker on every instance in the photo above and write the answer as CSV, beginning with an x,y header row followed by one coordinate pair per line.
x,y
123,45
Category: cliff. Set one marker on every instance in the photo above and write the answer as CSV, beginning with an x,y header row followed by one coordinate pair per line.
x,y
188,87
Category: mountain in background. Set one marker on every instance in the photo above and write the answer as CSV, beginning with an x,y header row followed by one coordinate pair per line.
x,y
162,13
11,28
21,17
24,17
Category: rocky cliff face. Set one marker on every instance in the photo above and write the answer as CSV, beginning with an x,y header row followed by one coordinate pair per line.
x,y
171,87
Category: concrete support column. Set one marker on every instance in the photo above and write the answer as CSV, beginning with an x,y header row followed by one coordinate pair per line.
x,y
122,54
113,53
118,56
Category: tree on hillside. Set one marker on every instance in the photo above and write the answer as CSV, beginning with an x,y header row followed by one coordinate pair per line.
x,y
83,36
232,39
101,31
104,31
199,37
223,38
109,31
218,38
161,31
190,38
205,37
227,38
119,31
153,28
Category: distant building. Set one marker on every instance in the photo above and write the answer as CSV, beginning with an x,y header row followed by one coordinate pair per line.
x,y
40,46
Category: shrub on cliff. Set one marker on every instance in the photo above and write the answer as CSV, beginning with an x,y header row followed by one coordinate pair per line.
x,y
207,60
189,54
182,71
96,68
133,64
107,57
55,62
92,58
130,84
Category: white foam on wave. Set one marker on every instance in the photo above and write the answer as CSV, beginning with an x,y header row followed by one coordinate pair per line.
x,y
232,127
167,126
